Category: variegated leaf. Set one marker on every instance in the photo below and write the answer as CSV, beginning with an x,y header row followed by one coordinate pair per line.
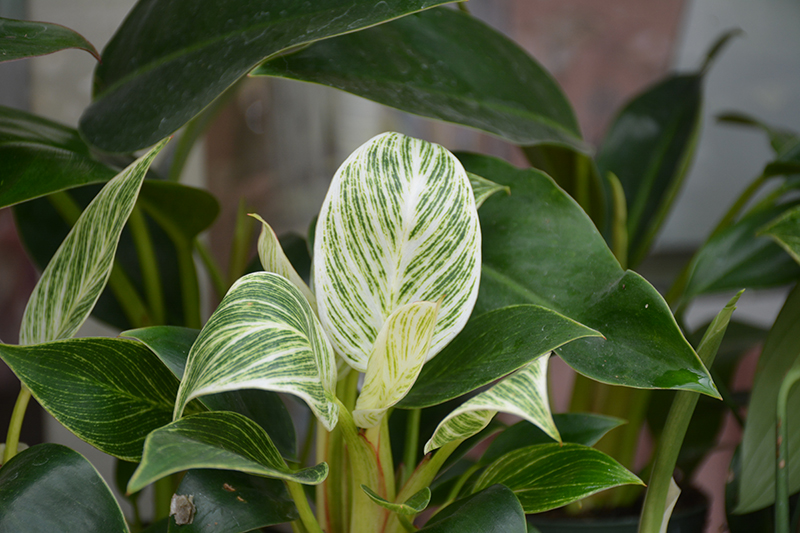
x,y
264,335
396,360
523,393
273,259
399,225
78,272
483,188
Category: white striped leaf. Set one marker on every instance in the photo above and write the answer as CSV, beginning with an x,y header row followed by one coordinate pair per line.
x,y
482,188
399,225
78,272
396,360
523,393
264,335
273,259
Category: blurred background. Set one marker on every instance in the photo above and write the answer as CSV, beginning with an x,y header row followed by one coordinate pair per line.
x,y
278,142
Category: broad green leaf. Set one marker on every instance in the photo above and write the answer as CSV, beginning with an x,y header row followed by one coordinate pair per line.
x,y
396,360
778,138
782,348
162,67
737,257
77,273
264,335
483,188
25,38
547,476
40,157
123,390
273,259
523,394
539,247
493,510
233,501
398,226
415,504
172,345
578,428
490,346
52,488
422,64
219,440
785,230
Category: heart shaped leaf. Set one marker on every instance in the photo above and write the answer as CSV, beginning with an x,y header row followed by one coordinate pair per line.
x,y
25,38
398,226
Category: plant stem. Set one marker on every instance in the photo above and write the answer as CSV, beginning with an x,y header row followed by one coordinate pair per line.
x,y
412,442
148,264
15,426
300,500
217,279
782,452
163,491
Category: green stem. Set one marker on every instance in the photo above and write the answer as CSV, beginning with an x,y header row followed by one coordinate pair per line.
x,y
305,451
582,192
463,7
148,264
217,279
301,502
406,523
462,479
782,444
162,497
412,442
240,248
15,426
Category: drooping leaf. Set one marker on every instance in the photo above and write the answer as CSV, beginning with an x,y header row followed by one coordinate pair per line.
x,y
264,335
483,188
233,501
220,440
778,137
578,428
492,510
539,247
490,346
788,160
122,389
396,360
415,504
547,476
26,38
423,64
172,345
161,68
77,273
49,487
523,393
785,230
398,225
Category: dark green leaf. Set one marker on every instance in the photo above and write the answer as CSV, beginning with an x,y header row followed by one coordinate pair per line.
x,y
25,38
539,247
234,502
123,470
489,347
493,510
578,428
785,230
172,344
547,476
121,388
788,160
52,488
423,64
415,504
296,249
778,138
163,67
220,440
162,526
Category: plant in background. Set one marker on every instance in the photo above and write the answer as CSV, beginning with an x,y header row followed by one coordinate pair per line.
x,y
451,319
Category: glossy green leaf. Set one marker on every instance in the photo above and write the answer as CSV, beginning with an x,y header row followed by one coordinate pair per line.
x,y
483,188
782,348
423,64
493,510
77,273
737,257
39,157
172,345
415,504
161,68
396,360
264,335
52,488
25,38
490,346
547,476
219,440
233,501
785,230
578,428
398,226
523,394
123,390
539,247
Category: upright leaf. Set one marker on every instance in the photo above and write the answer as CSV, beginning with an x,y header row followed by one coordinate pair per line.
x,y
162,67
51,488
422,64
25,38
492,510
264,335
398,225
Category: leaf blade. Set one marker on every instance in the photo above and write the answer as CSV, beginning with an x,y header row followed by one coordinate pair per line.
x,y
26,38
